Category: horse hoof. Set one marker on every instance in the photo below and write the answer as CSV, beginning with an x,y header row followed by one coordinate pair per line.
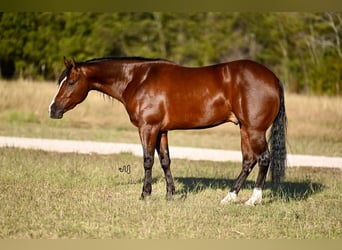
x,y
250,203
255,198
230,198
144,195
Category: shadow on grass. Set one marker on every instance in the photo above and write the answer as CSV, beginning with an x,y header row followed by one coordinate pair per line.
x,y
287,191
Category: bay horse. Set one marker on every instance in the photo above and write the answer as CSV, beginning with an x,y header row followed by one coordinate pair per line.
x,y
160,96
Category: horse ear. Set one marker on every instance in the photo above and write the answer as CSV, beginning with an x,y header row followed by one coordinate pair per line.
x,y
73,63
66,63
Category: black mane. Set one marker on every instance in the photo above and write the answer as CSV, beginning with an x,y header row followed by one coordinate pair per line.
x,y
133,58
64,74
109,58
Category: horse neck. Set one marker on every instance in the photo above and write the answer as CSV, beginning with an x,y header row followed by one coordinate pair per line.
x,y
109,78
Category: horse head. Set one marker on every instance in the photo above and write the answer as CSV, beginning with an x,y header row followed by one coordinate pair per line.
x,y
72,90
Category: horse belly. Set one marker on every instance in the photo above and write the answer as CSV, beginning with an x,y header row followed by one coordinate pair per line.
x,y
198,114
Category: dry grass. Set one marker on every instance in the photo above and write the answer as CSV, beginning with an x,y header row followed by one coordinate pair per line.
x,y
314,127
315,124
50,195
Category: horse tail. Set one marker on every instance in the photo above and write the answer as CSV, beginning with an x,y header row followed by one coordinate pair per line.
x,y
278,142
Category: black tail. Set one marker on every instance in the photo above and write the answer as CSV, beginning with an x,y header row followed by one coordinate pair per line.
x,y
278,142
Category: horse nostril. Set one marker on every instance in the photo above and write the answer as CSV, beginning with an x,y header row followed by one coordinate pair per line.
x,y
55,112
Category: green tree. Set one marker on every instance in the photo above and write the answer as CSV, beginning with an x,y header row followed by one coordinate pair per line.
x,y
304,49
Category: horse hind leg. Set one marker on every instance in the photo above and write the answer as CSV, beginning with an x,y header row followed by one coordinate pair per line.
x,y
248,162
260,149
254,150
247,166
264,162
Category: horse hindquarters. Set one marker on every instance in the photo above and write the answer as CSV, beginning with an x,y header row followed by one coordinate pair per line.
x,y
257,110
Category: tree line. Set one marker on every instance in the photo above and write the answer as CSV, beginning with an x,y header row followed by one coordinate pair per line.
x,y
303,49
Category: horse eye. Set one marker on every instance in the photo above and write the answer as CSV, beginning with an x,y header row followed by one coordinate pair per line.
x,y
71,83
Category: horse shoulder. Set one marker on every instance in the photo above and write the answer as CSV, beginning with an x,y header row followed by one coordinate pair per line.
x,y
143,102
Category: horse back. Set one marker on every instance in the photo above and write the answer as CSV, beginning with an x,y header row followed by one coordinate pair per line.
x,y
180,97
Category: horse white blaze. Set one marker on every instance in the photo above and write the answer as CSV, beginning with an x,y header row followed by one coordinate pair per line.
x,y
54,98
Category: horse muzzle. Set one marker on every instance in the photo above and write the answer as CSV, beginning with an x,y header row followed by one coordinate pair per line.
x,y
56,112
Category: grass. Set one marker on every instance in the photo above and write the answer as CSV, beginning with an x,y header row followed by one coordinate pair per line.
x,y
51,195
314,122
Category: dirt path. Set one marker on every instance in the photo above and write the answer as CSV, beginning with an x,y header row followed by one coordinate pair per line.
x,y
88,147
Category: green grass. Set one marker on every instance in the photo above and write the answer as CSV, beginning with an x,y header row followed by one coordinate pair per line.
x,y
51,195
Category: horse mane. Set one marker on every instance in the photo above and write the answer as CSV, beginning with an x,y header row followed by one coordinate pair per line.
x,y
133,58
64,74
111,58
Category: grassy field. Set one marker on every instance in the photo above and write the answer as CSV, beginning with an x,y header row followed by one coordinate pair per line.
x,y
314,125
51,195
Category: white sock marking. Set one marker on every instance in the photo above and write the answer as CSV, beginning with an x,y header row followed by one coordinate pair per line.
x,y
231,197
255,198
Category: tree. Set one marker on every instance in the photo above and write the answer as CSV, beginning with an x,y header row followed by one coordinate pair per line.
x,y
304,49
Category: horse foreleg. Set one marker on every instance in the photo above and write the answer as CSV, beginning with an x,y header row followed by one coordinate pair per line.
x,y
165,161
148,137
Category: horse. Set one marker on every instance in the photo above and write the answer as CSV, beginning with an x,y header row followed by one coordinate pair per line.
x,y
160,95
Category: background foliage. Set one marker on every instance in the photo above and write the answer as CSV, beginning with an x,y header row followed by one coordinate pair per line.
x,y
304,49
